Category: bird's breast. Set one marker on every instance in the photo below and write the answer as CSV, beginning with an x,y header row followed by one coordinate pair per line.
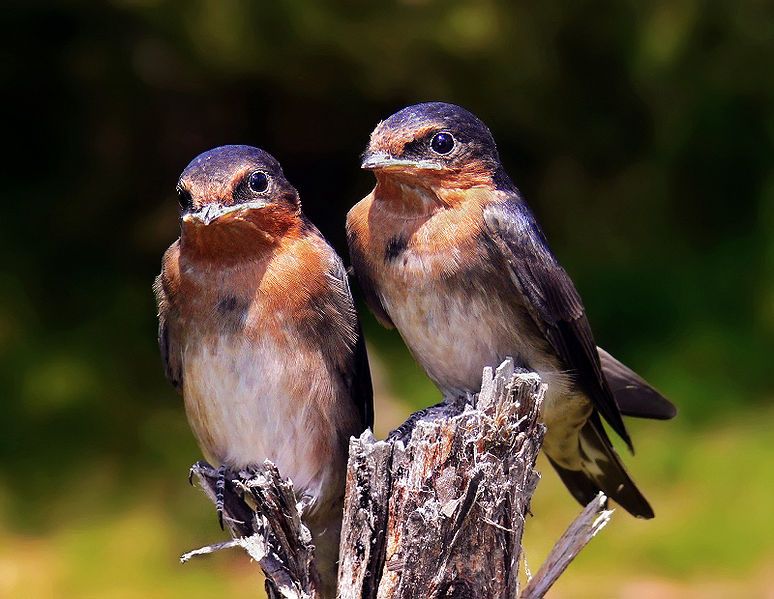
x,y
249,399
258,382
458,321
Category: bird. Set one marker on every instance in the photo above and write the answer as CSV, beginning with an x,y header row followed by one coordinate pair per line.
x,y
258,331
448,252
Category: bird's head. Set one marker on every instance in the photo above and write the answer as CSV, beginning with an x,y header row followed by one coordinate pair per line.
x,y
433,145
235,199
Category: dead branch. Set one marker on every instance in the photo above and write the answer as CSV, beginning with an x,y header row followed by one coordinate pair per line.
x,y
435,511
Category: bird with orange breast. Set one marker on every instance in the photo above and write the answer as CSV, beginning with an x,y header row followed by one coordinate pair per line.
x,y
448,252
258,331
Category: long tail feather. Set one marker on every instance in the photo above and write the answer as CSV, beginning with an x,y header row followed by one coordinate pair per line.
x,y
602,470
634,396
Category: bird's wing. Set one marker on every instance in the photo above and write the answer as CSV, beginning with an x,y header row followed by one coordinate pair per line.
x,y
367,286
634,396
552,300
169,342
356,372
602,470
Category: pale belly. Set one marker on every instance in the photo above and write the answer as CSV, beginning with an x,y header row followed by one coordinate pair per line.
x,y
248,401
455,334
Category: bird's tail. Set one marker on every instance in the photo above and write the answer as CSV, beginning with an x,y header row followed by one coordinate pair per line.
x,y
602,470
634,396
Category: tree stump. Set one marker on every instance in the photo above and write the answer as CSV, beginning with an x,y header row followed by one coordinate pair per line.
x,y
435,511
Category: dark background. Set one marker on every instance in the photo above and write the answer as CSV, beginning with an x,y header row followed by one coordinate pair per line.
x,y
641,133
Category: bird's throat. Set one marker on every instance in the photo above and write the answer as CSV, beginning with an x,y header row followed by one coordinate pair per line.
x,y
225,244
407,197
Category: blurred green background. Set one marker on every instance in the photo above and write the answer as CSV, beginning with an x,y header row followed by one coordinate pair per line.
x,y
642,133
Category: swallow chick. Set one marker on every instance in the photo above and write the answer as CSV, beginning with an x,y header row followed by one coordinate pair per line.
x,y
448,252
258,331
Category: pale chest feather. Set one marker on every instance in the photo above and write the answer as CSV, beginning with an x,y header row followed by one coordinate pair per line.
x,y
249,399
459,318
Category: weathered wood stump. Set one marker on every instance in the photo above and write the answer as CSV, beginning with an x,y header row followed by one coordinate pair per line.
x,y
435,511
262,516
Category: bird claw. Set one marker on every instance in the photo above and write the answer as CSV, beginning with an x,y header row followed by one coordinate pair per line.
x,y
405,429
199,467
305,503
219,474
191,471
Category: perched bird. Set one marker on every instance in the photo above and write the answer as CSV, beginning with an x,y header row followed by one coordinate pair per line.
x,y
448,252
258,331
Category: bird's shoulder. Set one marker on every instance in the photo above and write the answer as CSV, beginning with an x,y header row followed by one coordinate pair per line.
x,y
362,247
167,282
165,288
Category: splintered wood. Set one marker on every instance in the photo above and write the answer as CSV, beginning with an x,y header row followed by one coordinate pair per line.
x,y
260,512
435,511
440,511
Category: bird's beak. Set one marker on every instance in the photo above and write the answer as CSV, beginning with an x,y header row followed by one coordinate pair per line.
x,y
373,161
214,213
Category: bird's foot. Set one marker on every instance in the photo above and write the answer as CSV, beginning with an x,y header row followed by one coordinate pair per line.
x,y
201,468
404,430
220,490
204,470
305,503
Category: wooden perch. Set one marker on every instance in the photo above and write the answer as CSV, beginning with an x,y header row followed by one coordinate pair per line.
x,y
260,512
435,511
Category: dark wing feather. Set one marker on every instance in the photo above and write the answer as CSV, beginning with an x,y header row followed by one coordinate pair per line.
x,y
362,389
602,470
552,300
168,339
634,396
356,373
367,286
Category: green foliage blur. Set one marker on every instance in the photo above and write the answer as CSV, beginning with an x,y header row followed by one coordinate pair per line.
x,y
642,134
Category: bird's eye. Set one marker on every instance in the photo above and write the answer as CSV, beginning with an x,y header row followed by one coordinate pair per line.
x,y
442,143
184,198
258,182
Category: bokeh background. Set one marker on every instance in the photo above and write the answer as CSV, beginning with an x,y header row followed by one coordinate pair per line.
x,y
642,133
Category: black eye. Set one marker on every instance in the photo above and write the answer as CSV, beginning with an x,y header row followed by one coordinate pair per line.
x,y
442,143
184,199
258,182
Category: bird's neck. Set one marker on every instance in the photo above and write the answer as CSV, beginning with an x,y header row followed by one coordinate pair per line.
x,y
406,197
419,197
237,242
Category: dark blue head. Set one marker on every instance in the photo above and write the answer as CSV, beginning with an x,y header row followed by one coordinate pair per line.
x,y
434,137
230,177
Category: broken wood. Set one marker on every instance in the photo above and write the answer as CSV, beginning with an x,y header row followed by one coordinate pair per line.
x,y
591,520
262,516
435,511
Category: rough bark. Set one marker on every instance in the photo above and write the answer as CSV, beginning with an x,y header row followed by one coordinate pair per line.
x,y
262,516
435,511
455,501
